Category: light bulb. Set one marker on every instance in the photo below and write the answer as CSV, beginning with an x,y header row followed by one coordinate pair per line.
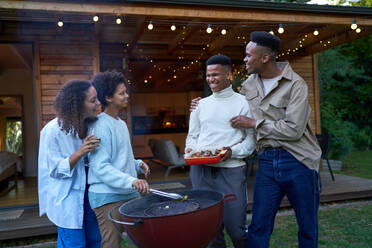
x,y
150,26
60,23
316,32
353,25
223,31
173,27
95,18
280,29
271,32
358,30
118,20
209,29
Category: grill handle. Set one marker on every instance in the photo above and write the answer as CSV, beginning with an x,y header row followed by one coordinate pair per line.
x,y
134,223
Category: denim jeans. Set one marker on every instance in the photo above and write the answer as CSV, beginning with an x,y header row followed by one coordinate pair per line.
x,y
87,237
280,174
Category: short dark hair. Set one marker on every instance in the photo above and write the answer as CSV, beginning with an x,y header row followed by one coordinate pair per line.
x,y
69,107
106,84
265,39
219,59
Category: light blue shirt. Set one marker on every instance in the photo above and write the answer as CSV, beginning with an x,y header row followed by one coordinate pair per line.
x,y
61,190
112,165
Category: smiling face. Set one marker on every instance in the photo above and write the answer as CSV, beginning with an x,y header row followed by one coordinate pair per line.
x,y
120,97
253,58
91,103
218,77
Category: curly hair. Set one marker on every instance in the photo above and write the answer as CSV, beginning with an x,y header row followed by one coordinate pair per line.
x,y
106,84
69,107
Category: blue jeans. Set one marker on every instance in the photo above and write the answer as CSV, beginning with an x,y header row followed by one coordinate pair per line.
x,y
280,174
87,237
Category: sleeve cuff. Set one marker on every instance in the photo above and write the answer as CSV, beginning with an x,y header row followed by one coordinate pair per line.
x,y
138,168
64,167
259,123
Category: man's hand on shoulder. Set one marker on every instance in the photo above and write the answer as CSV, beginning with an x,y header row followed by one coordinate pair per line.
x,y
242,121
194,103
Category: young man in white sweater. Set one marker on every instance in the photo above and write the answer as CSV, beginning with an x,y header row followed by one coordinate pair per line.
x,y
210,127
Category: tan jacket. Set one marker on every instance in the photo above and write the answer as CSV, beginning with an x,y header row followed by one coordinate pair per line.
x,y
283,116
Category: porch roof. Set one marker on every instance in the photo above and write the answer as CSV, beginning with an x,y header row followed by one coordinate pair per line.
x,y
189,44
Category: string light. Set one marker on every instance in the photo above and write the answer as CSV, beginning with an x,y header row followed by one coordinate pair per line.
x,y
60,23
358,30
316,32
280,29
209,29
118,20
353,24
223,31
95,18
173,27
150,26
271,32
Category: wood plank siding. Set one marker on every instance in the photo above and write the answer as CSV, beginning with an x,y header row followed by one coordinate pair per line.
x,y
67,56
307,68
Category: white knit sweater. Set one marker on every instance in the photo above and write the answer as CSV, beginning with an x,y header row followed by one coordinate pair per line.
x,y
210,126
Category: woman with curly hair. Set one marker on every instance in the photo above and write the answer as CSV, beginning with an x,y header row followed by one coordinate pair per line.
x,y
62,174
113,169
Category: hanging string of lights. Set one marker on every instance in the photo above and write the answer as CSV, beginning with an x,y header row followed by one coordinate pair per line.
x,y
210,28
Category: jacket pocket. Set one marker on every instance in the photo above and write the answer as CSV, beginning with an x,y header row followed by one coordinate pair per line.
x,y
277,108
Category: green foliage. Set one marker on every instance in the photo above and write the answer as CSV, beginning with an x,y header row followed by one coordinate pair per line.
x,y
14,137
366,3
338,228
358,164
345,77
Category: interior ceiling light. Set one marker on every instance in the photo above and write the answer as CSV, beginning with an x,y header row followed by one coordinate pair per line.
x,y
95,18
353,24
118,20
358,30
150,26
209,29
271,32
316,32
173,27
280,29
60,23
223,31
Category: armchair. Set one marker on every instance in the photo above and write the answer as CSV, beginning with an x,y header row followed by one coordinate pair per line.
x,y
166,154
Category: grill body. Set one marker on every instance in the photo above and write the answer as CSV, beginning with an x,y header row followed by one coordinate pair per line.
x,y
193,225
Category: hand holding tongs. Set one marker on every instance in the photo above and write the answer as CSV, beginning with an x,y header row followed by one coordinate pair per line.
x,y
174,196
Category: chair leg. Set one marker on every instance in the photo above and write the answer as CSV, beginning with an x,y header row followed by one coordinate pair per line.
x,y
330,170
167,172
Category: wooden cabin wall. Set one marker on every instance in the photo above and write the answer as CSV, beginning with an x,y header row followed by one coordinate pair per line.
x,y
63,55
307,68
60,54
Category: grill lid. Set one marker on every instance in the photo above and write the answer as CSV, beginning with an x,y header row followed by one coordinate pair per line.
x,y
168,208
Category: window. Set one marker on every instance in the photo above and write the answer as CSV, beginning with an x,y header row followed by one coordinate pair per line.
x,y
13,135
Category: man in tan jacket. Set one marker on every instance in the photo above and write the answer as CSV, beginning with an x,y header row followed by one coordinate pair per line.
x,y
288,151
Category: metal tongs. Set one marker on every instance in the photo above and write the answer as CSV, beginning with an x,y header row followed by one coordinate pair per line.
x,y
174,196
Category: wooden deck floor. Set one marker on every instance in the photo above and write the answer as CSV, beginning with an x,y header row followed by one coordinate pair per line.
x,y
30,224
